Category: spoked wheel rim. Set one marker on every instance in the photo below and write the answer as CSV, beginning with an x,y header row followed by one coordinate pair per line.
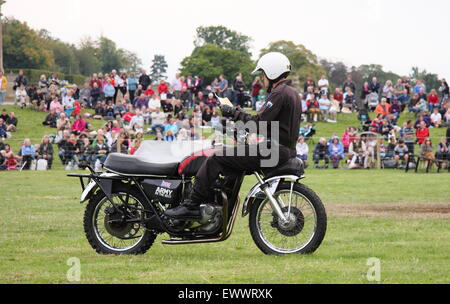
x,y
288,237
113,233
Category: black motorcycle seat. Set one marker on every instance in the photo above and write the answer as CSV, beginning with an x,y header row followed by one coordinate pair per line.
x,y
293,166
138,165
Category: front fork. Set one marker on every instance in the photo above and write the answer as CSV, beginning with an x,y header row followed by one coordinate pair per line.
x,y
276,204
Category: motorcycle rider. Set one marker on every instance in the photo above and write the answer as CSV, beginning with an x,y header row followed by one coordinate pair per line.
x,y
283,105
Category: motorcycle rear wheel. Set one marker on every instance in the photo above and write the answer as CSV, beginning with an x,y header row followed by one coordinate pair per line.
x,y
107,237
304,233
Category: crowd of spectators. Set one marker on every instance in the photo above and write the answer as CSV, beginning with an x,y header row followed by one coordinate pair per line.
x,y
132,106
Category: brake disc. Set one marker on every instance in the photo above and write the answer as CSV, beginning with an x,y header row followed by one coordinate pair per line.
x,y
295,224
115,224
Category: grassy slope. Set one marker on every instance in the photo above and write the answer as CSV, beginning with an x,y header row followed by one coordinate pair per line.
x,y
42,227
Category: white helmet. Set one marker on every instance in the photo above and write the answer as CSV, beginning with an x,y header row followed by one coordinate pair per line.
x,y
274,64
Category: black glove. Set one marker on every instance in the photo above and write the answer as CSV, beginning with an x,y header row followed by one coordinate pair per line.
x,y
228,111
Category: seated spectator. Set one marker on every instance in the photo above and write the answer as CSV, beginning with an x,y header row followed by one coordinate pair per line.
x,y
119,109
21,97
100,110
421,106
334,109
137,119
313,107
401,152
141,102
85,155
383,108
170,129
336,152
426,149
349,101
45,151
4,115
390,151
27,154
79,125
3,133
321,153
443,150
358,160
206,116
154,103
9,159
100,150
404,99
433,100
149,92
211,101
56,106
436,118
339,97
396,109
167,106
302,150
324,106
50,119
158,119
122,143
85,95
109,111
159,136
357,145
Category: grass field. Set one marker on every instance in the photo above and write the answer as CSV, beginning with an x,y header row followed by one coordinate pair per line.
x,y
401,219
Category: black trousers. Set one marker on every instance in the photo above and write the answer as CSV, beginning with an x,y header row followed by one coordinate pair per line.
x,y
229,163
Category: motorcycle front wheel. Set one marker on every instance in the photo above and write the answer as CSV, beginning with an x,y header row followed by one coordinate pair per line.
x,y
107,228
302,233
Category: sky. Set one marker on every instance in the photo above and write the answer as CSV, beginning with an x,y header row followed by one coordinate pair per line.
x,y
397,34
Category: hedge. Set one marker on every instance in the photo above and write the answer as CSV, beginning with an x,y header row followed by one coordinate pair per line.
x,y
34,75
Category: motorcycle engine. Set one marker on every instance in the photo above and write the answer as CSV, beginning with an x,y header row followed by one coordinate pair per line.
x,y
212,216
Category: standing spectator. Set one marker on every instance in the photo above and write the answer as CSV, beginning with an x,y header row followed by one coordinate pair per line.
x,y
45,151
94,80
256,87
365,91
422,133
109,91
117,80
308,84
388,91
132,86
163,88
444,89
375,86
85,95
420,86
407,84
239,87
223,85
323,85
122,84
407,133
20,81
144,80
95,95
176,85
398,89
3,83
198,85
349,84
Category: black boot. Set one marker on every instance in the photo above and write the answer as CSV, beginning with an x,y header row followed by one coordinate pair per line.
x,y
187,211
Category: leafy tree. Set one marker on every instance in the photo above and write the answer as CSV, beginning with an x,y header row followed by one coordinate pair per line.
x,y
223,37
210,60
336,71
130,61
304,62
109,56
87,57
431,80
24,48
158,68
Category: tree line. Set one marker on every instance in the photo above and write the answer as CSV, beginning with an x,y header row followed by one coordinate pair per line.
x,y
24,47
218,50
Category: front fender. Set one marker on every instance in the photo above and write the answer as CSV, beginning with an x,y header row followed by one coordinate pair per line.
x,y
256,192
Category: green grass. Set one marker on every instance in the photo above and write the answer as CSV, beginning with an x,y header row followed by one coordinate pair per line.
x,y
41,225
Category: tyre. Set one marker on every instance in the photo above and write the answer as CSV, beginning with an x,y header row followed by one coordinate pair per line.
x,y
304,231
105,228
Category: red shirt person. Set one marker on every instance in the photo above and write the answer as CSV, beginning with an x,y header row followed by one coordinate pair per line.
x,y
163,88
422,133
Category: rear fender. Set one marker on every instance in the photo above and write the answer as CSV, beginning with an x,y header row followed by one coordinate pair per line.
x,y
256,192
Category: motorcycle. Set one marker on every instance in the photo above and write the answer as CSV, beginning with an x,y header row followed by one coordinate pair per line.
x,y
126,204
